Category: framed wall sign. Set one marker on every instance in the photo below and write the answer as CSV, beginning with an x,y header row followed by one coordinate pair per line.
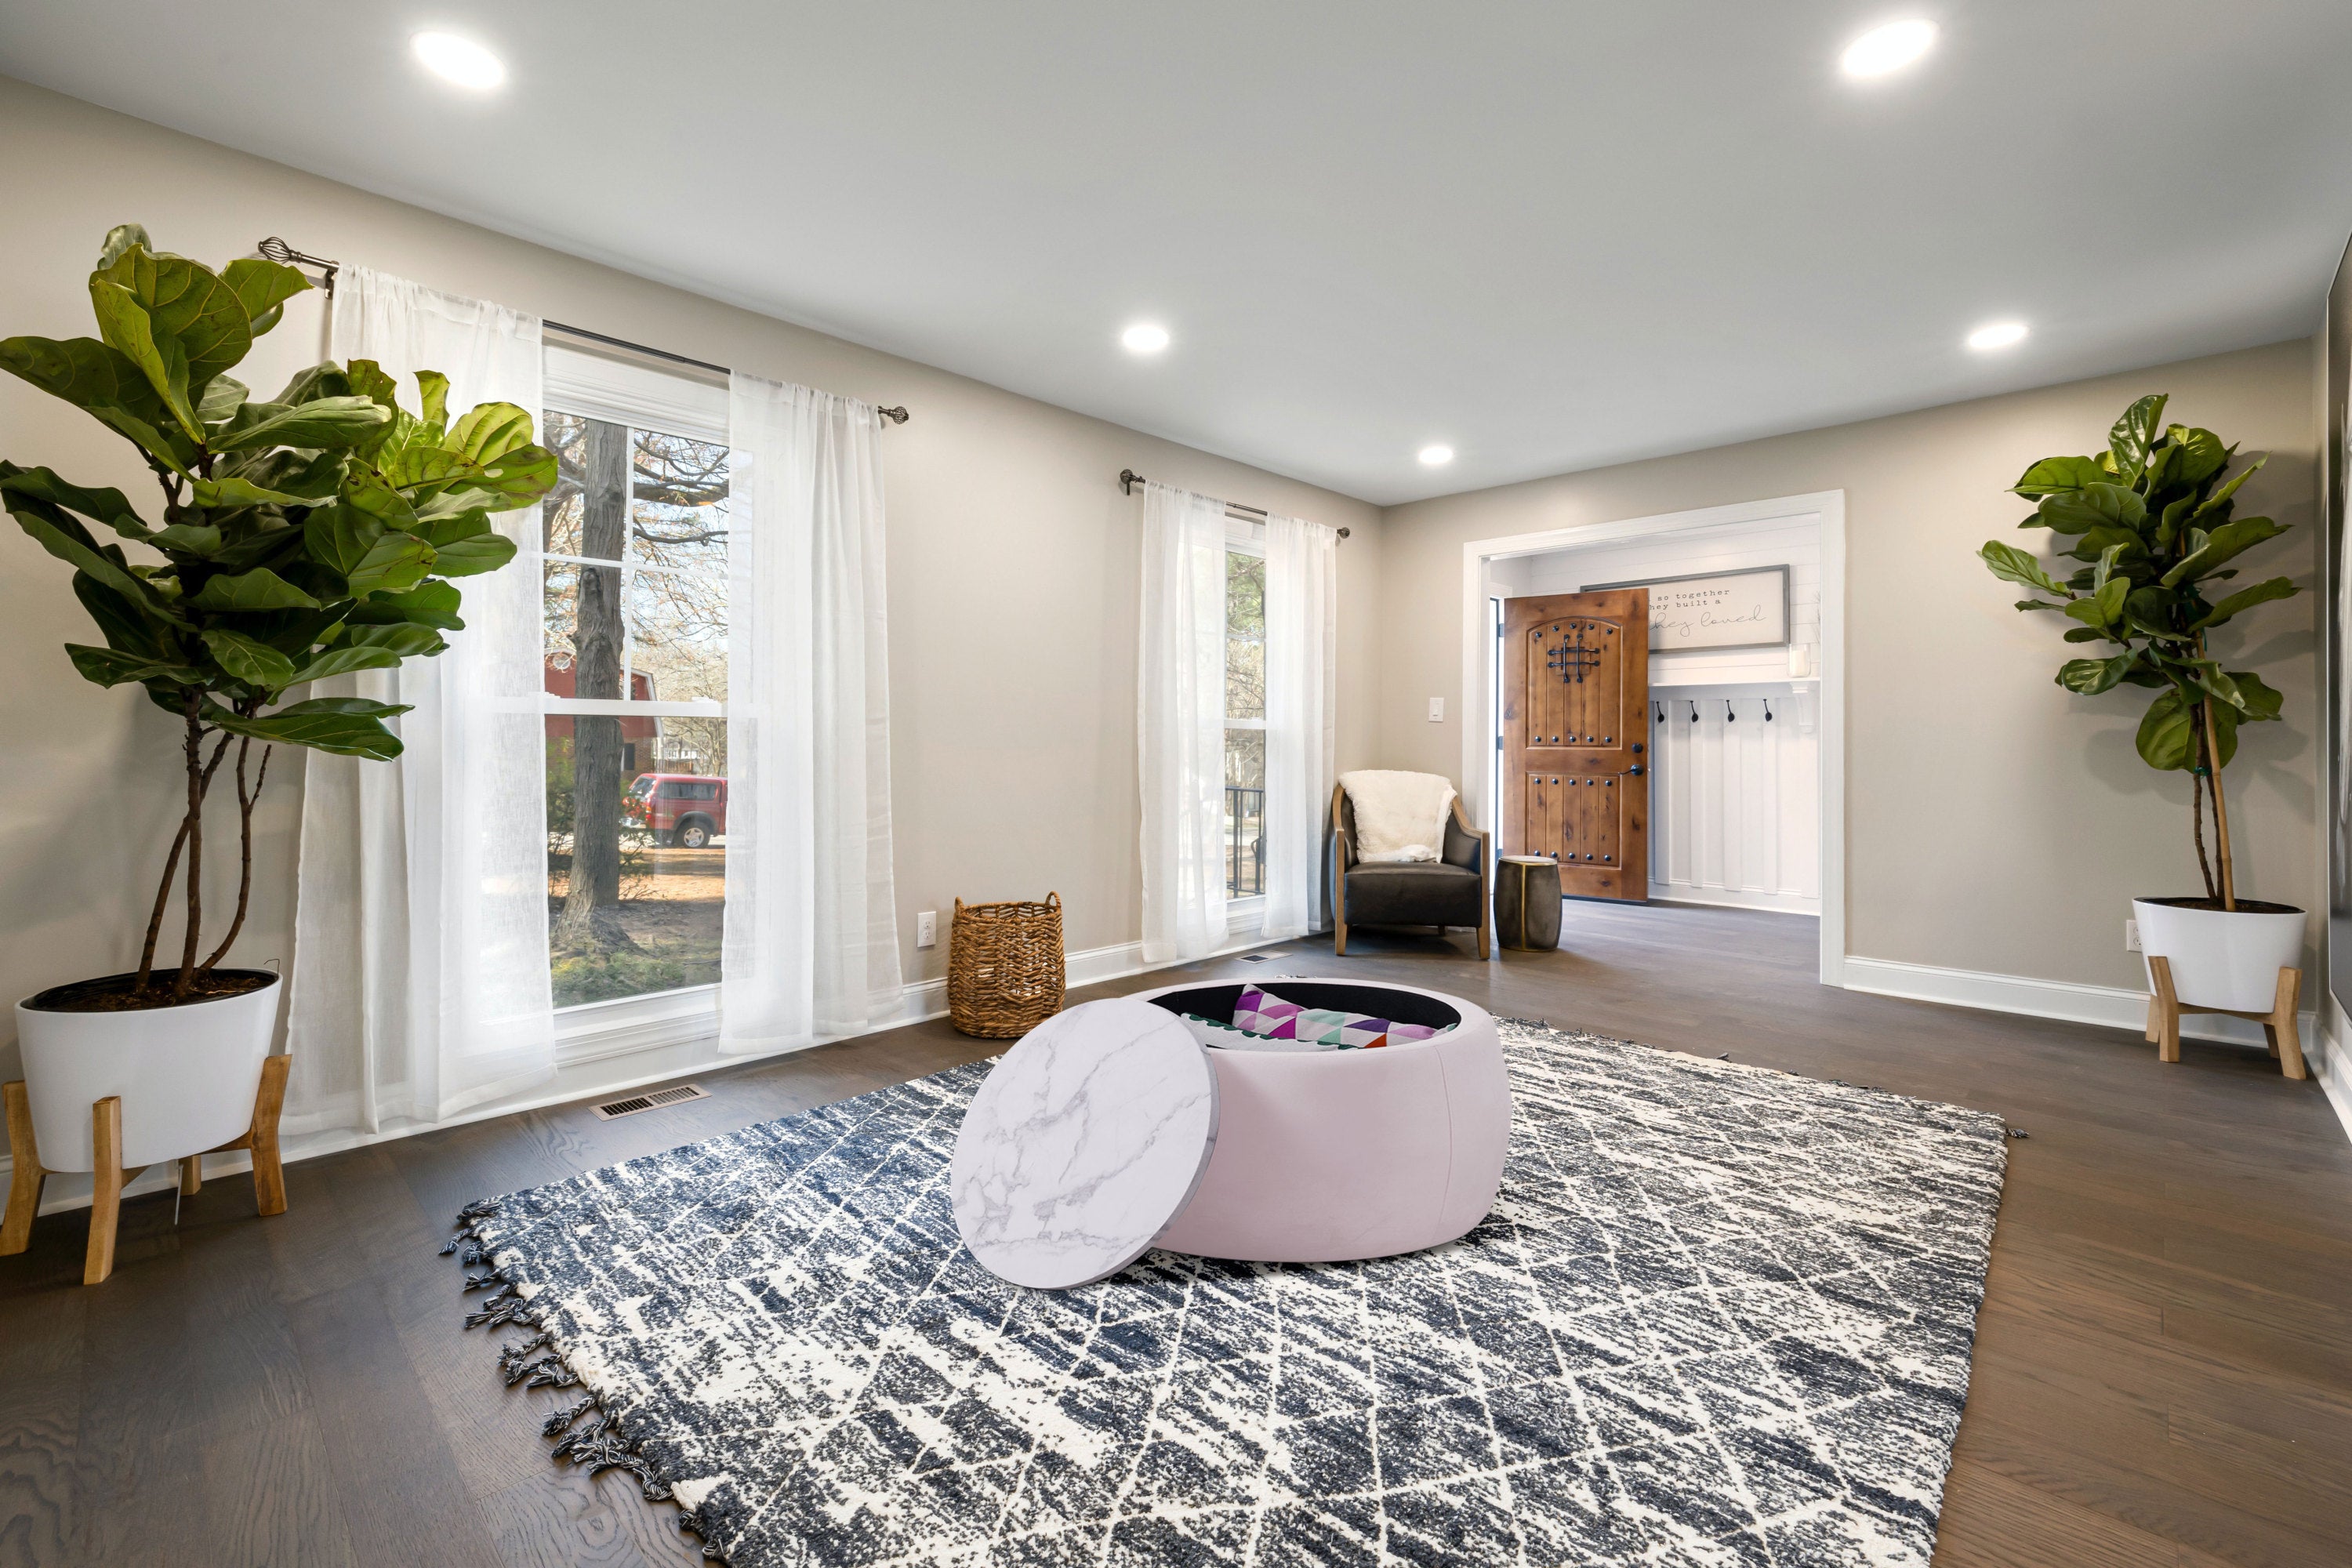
x,y
1716,609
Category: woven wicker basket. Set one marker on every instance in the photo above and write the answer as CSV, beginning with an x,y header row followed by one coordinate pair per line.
x,y
1004,967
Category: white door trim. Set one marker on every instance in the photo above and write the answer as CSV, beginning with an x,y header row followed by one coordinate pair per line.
x,y
1478,655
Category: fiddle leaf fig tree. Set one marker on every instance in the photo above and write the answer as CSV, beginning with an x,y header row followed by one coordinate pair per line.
x,y
2152,522
310,534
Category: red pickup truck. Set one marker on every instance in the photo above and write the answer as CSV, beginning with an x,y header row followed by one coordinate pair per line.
x,y
685,809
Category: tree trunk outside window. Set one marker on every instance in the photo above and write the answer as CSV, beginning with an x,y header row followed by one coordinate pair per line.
x,y
595,880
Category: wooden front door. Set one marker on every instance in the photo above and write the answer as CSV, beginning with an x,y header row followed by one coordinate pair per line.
x,y
1576,727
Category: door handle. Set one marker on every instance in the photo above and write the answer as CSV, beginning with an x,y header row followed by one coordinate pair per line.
x,y
1635,770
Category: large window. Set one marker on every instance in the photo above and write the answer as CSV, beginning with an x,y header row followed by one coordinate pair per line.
x,y
635,628
1245,719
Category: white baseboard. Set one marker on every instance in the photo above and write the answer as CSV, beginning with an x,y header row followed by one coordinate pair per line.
x,y
2065,999
604,1072
2331,1064
1735,898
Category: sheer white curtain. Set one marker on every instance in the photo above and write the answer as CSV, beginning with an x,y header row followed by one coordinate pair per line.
x,y
420,950
810,947
1181,699
1302,598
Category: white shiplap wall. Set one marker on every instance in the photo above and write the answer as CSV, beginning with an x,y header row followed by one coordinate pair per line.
x,y
1734,803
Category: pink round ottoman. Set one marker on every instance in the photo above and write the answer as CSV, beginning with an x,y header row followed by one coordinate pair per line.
x,y
1330,1155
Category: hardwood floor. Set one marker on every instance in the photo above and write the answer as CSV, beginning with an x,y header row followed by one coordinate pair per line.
x,y
2163,1372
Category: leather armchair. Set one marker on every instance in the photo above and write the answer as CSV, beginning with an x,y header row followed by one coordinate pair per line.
x,y
1448,891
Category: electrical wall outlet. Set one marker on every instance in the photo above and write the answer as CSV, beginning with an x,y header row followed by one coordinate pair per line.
x,y
1437,710
2131,935
927,928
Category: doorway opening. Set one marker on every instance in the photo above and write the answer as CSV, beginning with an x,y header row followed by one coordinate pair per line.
x,y
1737,751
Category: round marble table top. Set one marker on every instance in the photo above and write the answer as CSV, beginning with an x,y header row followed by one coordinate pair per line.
x,y
1084,1142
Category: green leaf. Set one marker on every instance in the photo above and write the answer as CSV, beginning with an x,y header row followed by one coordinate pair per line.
x,y
188,539
227,494
2153,612
260,589
343,660
401,637
2102,608
432,604
2259,699
127,327
2089,677
62,535
188,303
327,422
491,431
2097,505
114,667
2201,454
394,564
2012,564
347,726
340,536
2220,498
432,398
2135,433
120,238
488,552
222,398
2166,737
254,663
2038,604
2230,539
121,623
2053,476
91,376
325,379
2086,633
106,504
2246,599
262,289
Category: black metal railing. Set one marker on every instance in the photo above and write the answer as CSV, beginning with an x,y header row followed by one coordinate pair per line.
x,y
1244,841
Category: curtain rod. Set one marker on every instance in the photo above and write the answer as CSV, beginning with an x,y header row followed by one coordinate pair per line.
x,y
1129,479
277,250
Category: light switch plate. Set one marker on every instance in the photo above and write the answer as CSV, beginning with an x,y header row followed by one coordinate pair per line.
x,y
1437,710
927,928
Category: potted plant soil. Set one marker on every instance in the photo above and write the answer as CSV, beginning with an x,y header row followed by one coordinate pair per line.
x,y
307,535
2152,522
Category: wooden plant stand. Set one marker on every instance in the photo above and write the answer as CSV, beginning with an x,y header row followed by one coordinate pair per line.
x,y
2166,1007
108,1180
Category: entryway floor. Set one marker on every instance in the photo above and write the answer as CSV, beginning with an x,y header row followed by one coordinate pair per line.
x,y
2163,1371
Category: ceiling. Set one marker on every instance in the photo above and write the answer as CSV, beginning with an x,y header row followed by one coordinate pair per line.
x,y
1551,236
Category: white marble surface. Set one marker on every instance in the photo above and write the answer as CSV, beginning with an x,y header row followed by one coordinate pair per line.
x,y
1086,1142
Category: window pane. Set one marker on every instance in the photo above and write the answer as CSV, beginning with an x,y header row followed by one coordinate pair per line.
x,y
564,435
1244,812
579,607
1245,635
652,889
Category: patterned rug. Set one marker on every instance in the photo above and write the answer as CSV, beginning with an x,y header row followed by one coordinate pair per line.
x,y
1719,1315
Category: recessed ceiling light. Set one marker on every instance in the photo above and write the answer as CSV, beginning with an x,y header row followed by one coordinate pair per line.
x,y
457,59
1436,456
1888,49
1997,335
1143,338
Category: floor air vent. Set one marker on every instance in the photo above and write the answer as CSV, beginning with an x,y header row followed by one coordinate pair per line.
x,y
654,1101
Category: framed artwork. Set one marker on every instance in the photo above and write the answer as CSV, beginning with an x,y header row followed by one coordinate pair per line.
x,y
1715,609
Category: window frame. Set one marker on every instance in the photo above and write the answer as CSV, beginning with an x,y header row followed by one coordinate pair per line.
x,y
1244,536
620,391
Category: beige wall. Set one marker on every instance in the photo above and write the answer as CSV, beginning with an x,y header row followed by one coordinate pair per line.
x,y
1995,822
1013,563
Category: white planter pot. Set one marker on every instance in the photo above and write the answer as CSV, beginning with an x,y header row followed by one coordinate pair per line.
x,y
2221,958
187,1075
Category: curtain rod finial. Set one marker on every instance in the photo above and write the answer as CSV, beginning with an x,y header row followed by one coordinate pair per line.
x,y
1128,480
895,416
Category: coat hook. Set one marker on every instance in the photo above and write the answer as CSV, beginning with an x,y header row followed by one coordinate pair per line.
x,y
1768,710
1694,712
1730,714
1662,711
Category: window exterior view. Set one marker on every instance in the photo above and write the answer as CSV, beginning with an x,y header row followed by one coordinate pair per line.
x,y
1244,831
635,608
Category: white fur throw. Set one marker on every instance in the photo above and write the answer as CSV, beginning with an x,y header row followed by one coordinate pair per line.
x,y
1399,816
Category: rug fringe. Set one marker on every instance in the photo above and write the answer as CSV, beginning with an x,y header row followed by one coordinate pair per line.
x,y
599,1445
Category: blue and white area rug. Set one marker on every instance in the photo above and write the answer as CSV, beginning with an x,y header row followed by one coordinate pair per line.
x,y
1719,1316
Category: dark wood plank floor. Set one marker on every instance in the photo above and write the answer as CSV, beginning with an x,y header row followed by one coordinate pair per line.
x,y
2163,1372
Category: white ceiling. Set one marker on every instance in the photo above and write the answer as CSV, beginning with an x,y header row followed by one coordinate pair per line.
x,y
1553,236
